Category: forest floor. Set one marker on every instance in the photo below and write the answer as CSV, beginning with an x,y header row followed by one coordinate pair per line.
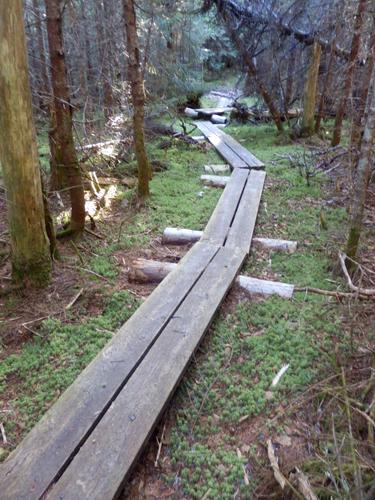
x,y
212,439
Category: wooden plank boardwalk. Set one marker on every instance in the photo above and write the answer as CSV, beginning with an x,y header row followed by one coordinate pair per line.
x,y
85,445
233,152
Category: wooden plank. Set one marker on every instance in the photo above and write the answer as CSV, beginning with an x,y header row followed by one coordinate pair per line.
x,y
218,226
44,453
223,149
242,228
241,151
99,469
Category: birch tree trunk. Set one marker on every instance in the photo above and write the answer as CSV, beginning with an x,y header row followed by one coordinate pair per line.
x,y
357,126
19,155
309,102
342,107
138,97
62,123
362,174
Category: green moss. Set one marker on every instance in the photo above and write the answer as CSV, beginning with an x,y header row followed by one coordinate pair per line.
x,y
46,366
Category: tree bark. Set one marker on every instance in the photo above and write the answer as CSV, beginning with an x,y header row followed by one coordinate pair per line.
x,y
309,101
19,155
102,15
325,90
357,126
289,87
45,87
362,175
62,123
138,97
342,106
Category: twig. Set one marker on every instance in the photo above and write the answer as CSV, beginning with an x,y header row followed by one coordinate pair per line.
x,y
94,234
330,293
75,298
3,435
160,443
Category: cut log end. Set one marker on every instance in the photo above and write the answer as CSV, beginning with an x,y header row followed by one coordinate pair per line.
x,y
219,181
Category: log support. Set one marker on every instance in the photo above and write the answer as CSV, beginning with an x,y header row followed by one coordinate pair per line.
x,y
151,271
176,236
219,181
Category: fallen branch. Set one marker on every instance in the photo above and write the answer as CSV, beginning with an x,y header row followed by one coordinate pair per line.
x,y
360,291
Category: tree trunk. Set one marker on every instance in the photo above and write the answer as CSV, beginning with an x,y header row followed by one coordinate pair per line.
x,y
252,69
325,90
357,126
62,125
309,101
290,80
45,87
138,98
340,113
362,175
102,17
19,154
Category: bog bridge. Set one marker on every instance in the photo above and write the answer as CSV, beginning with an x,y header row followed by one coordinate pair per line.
x,y
86,444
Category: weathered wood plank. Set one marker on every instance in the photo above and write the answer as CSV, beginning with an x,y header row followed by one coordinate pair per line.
x,y
218,226
99,469
242,229
242,152
44,453
223,149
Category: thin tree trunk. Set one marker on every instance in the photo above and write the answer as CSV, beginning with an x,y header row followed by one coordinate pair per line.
x,y
62,125
45,90
289,87
138,97
357,126
362,174
19,154
309,101
253,73
102,15
342,107
325,90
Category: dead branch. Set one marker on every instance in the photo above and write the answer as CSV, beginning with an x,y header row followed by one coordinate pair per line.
x,y
358,290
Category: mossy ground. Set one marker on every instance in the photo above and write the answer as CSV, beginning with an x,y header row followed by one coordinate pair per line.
x,y
248,343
